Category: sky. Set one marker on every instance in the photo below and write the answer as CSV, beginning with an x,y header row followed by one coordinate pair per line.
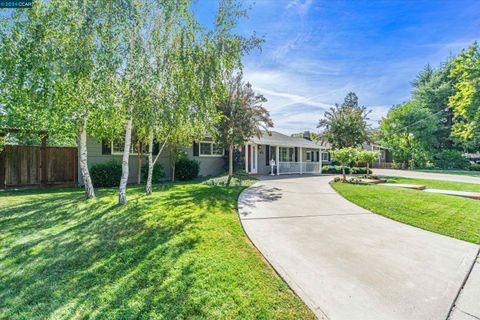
x,y
317,51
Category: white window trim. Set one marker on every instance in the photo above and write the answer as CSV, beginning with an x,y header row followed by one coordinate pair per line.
x,y
324,153
280,154
307,154
211,149
120,153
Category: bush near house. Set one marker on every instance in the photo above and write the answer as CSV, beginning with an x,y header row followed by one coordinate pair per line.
x,y
186,169
157,175
106,174
348,170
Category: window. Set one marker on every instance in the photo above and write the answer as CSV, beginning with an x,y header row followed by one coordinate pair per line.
x,y
210,149
117,147
287,154
308,156
324,156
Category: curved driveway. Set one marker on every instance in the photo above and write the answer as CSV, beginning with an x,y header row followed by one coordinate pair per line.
x,y
346,262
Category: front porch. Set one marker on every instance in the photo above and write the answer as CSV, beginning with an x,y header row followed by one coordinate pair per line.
x,y
287,159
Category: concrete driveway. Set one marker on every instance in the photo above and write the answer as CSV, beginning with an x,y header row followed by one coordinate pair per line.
x,y
348,263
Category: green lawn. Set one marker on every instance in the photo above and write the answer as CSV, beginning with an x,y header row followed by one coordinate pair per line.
x,y
437,184
452,171
448,215
178,254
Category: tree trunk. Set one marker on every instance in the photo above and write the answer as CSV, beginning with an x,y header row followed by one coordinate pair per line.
x,y
368,168
87,180
139,162
150,164
173,171
230,161
343,172
122,195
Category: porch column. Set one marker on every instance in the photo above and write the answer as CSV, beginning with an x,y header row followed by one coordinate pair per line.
x,y
256,158
320,153
300,158
246,158
277,156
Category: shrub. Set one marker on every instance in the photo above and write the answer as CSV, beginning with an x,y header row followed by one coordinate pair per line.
x,y
334,169
186,169
157,174
474,167
448,159
106,174
348,170
362,170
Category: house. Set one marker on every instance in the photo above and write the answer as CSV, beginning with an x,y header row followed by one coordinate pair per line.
x,y
212,158
293,155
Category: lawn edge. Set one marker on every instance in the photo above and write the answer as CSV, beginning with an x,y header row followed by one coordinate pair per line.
x,y
381,215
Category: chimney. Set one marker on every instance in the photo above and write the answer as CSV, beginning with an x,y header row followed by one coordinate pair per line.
x,y
306,135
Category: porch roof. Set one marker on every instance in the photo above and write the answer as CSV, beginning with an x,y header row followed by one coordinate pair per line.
x,y
279,139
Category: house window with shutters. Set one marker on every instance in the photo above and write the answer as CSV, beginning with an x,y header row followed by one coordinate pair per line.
x,y
210,149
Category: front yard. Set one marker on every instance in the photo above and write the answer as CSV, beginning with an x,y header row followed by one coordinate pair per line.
x,y
178,254
452,171
448,215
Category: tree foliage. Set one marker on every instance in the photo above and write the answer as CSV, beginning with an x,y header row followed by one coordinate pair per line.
x,y
465,102
345,125
408,130
345,156
242,116
432,89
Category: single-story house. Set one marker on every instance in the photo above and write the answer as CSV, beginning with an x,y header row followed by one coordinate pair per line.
x,y
293,155
290,155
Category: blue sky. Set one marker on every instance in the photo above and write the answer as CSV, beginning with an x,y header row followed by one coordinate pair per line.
x,y
316,51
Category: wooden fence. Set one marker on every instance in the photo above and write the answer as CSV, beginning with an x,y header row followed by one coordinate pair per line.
x,y
37,166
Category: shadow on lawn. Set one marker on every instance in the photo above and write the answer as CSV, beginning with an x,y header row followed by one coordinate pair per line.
x,y
65,257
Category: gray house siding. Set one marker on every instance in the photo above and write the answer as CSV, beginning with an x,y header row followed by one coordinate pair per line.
x,y
209,166
263,162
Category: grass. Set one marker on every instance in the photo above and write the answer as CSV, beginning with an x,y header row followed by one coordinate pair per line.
x,y
437,184
448,215
178,254
452,171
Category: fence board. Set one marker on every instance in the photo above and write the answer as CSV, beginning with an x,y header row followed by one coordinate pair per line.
x,y
22,166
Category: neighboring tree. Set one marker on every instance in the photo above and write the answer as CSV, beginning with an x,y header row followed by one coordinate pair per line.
x,y
345,125
432,89
313,136
345,156
242,116
367,157
465,102
408,130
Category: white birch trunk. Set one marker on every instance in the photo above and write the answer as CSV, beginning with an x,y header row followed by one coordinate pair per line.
x,y
122,195
150,164
87,180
